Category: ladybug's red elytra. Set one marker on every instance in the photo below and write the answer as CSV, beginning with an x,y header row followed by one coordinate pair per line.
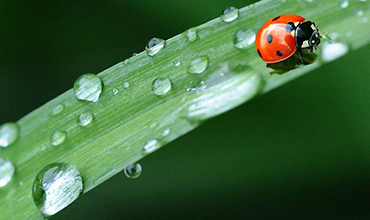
x,y
282,36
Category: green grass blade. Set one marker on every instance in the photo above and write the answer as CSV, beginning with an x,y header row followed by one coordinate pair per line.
x,y
125,121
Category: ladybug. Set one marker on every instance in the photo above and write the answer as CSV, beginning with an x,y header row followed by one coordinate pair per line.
x,y
282,36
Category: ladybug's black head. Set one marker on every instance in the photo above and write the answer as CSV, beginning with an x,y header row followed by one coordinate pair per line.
x,y
307,36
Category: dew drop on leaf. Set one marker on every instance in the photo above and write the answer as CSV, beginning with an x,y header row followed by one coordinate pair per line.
x,y
9,133
133,171
6,172
55,187
88,87
161,86
154,45
230,14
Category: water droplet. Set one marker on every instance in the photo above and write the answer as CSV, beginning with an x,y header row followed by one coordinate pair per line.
x,y
349,34
192,34
134,54
344,3
177,63
58,137
55,187
362,0
21,183
151,145
197,86
6,172
161,86
365,20
9,133
88,87
115,91
199,65
133,171
244,38
57,109
85,119
333,51
166,132
360,12
126,84
154,45
229,14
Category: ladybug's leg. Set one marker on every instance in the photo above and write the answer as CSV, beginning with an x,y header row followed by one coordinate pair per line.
x,y
300,54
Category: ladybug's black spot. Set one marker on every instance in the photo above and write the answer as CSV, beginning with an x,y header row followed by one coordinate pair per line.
x,y
289,27
279,53
259,53
269,38
275,18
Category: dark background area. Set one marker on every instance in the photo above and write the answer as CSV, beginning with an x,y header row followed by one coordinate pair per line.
x,y
299,152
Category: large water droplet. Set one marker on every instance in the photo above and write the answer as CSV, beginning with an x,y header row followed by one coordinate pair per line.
x,y
154,45
192,34
6,172
198,65
58,138
88,87
230,14
58,109
161,86
333,51
85,119
244,38
344,3
9,132
56,186
151,145
133,171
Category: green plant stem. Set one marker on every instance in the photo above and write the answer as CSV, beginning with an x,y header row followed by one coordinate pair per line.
x,y
124,122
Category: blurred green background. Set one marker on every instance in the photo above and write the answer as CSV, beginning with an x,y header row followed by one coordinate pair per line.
x,y
299,152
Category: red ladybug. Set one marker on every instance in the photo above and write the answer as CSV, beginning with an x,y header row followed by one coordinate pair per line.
x,y
280,37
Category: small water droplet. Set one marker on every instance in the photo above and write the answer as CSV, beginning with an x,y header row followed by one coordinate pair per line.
x,y
115,91
349,34
55,187
364,20
88,87
360,12
133,171
9,133
166,132
21,183
6,172
126,84
154,45
134,54
57,109
85,119
58,137
177,63
161,86
229,14
333,51
192,34
151,145
198,65
343,3
244,38
197,86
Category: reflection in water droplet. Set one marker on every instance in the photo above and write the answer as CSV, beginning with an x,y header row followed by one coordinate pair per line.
x,y
244,38
151,145
88,87
9,133
126,84
333,51
55,187
6,172
57,109
344,3
133,171
229,14
192,34
85,118
115,91
161,86
154,45
177,63
199,65
166,132
58,137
